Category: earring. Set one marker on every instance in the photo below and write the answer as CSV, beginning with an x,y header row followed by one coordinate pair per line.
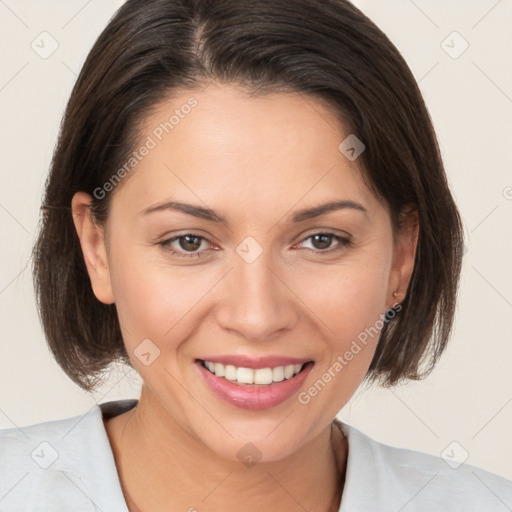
x,y
395,295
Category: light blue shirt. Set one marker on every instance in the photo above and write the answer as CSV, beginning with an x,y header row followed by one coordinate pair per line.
x,y
67,465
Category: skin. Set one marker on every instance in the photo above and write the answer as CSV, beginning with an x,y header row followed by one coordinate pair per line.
x,y
255,161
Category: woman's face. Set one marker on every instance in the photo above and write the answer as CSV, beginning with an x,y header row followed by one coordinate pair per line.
x,y
265,288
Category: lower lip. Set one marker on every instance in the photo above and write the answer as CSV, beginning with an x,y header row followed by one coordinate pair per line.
x,y
253,397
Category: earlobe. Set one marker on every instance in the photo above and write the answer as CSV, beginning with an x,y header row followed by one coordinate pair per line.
x,y
92,242
406,242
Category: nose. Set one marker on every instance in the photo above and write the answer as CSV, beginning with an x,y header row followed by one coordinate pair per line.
x,y
256,302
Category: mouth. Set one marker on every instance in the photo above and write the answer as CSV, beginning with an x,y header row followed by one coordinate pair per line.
x,y
265,386
253,376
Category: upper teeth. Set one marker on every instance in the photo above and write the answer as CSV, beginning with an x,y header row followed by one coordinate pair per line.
x,y
251,376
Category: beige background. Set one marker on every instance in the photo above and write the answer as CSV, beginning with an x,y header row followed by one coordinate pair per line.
x,y
468,398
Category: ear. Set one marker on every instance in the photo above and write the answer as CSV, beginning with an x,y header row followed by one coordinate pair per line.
x,y
404,253
92,241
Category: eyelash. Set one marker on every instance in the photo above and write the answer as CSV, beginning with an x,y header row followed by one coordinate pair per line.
x,y
343,243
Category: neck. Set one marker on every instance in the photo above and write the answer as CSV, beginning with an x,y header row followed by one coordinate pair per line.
x,y
152,452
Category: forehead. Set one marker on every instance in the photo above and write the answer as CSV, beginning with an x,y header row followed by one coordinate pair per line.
x,y
227,149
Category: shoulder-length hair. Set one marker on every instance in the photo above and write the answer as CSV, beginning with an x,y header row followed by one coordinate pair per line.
x,y
152,49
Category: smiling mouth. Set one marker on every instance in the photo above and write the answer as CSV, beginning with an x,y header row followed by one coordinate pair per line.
x,y
254,377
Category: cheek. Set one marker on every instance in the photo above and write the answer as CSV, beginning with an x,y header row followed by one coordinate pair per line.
x,y
348,297
152,298
350,301
351,310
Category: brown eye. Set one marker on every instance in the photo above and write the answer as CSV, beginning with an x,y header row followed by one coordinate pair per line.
x,y
187,245
191,242
322,242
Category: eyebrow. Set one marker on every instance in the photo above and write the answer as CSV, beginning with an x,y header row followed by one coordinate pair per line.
x,y
211,215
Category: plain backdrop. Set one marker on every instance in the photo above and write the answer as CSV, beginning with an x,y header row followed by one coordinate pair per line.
x,y
459,51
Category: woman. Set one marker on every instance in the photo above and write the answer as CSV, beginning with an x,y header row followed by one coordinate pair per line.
x,y
247,204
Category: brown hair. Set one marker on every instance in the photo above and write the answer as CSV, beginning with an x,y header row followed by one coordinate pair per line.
x,y
327,48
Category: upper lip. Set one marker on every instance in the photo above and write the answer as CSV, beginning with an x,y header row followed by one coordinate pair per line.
x,y
255,362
